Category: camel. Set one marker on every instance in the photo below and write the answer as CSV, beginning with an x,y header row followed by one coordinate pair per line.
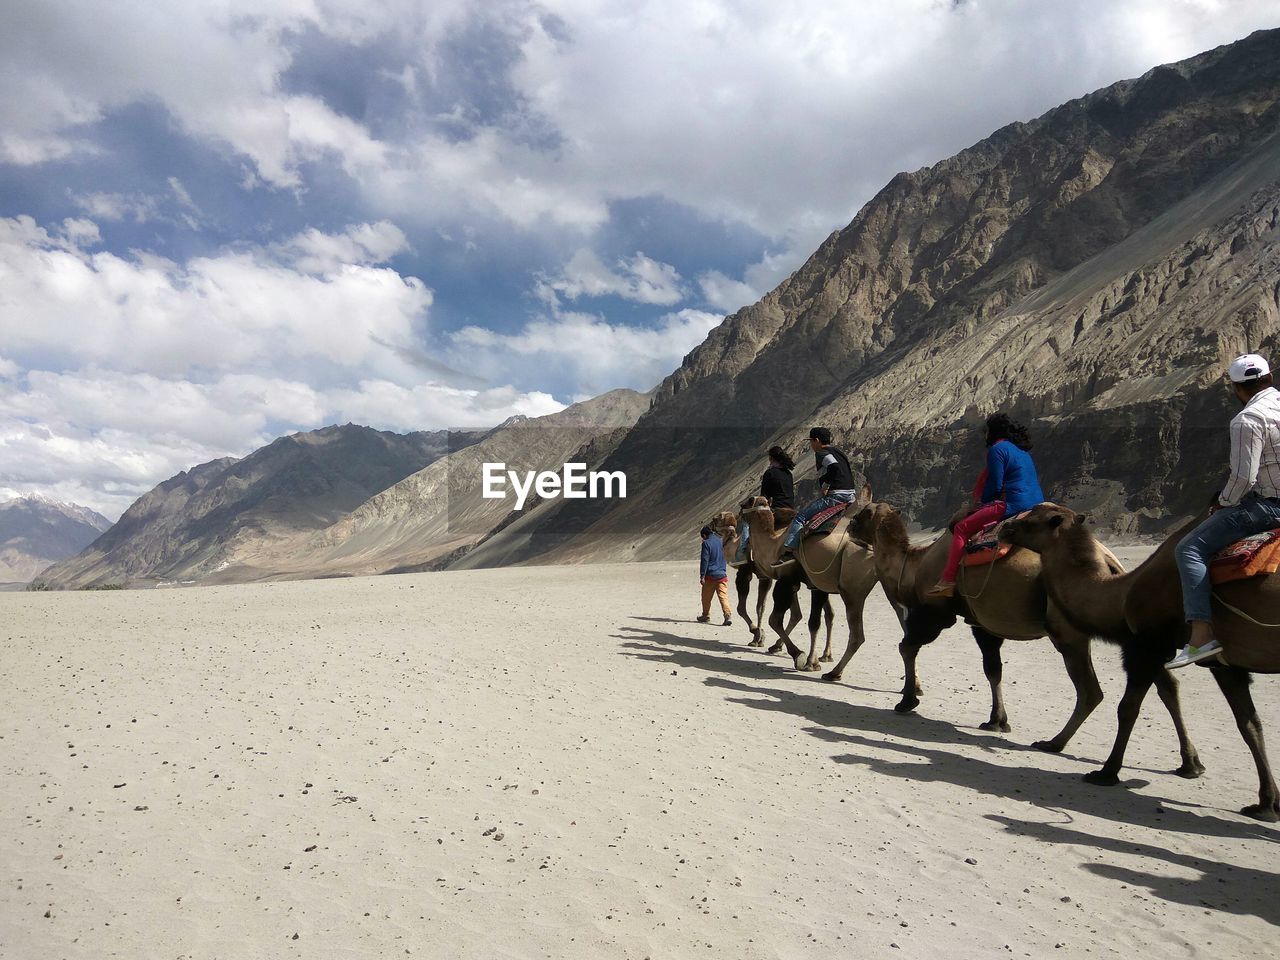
x,y
785,590
1004,600
1142,611
725,524
834,563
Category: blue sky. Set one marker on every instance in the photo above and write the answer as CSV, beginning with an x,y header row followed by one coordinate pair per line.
x,y
223,222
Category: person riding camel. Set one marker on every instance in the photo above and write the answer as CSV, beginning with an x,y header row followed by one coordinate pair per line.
x,y
777,484
1248,504
1008,486
835,480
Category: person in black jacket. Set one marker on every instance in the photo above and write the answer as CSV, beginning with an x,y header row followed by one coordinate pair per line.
x,y
835,479
777,484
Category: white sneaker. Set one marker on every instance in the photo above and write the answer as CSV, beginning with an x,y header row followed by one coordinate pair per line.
x,y
1190,654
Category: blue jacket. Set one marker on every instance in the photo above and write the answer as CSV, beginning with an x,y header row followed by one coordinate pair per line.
x,y
1011,477
712,563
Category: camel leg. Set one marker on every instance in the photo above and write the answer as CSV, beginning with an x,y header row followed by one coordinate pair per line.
x,y
920,626
1140,678
762,600
829,615
1076,656
852,610
1234,684
1167,687
816,600
785,601
993,667
742,583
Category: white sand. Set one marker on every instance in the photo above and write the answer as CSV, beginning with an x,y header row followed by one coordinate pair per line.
x,y
661,790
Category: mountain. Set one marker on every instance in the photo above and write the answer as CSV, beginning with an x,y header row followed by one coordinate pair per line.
x,y
36,531
1090,271
438,514
219,513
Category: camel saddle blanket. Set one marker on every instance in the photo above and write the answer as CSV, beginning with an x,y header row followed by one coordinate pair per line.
x,y
824,521
1253,556
985,546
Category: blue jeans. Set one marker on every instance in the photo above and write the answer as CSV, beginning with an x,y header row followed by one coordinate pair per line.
x,y
809,512
744,534
1253,514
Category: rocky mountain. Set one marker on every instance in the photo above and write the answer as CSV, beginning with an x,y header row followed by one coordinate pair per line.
x,y
438,514
36,531
215,514
1090,271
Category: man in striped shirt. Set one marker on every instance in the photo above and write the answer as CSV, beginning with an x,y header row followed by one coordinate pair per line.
x,y
1248,504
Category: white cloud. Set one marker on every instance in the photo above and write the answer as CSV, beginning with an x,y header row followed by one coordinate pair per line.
x,y
586,350
315,300
781,116
119,372
640,279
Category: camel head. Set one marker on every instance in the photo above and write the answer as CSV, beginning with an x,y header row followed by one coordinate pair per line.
x,y
725,524
867,521
756,505
1041,527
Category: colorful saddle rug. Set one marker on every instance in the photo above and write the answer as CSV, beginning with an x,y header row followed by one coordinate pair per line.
x,y
1253,556
984,546
825,520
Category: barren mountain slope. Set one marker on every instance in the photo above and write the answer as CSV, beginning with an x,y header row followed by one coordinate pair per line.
x,y
1090,271
439,510
205,518
36,531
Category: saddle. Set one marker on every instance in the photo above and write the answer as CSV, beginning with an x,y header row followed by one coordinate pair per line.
x,y
825,520
1255,556
984,546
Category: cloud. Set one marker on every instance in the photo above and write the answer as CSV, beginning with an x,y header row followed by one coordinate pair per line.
x,y
315,301
784,117
640,279
120,371
586,350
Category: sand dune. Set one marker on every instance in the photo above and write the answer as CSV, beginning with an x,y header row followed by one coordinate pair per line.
x,y
557,762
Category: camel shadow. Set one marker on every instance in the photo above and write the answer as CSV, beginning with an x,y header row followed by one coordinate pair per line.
x,y
712,656
843,714
1044,788
1226,887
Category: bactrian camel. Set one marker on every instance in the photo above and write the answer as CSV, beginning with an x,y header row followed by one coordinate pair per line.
x,y
1004,600
1142,611
785,592
725,524
832,563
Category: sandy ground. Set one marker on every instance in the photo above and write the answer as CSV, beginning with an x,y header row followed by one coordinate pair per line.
x,y
558,762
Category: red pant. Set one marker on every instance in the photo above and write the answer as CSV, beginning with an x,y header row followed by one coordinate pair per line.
x,y
964,529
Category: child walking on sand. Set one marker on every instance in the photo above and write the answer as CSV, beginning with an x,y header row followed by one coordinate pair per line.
x,y
713,576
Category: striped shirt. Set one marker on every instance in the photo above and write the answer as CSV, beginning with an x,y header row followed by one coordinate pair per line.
x,y
1255,449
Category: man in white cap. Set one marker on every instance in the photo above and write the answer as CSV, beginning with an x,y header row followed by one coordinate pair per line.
x,y
1248,504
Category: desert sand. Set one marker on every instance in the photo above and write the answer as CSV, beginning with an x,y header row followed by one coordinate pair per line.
x,y
558,762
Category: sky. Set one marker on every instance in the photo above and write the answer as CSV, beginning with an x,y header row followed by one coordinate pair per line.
x,y
225,221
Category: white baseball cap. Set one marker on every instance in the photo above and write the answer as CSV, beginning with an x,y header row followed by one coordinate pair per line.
x,y
1246,367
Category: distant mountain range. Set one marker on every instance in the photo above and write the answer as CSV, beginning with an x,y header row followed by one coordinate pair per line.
x,y
215,514
36,531
340,501
1090,271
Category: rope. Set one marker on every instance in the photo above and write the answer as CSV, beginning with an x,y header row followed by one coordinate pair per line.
x,y
1244,616
990,569
903,569
835,555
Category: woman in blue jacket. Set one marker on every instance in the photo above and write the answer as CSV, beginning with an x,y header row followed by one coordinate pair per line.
x,y
1008,486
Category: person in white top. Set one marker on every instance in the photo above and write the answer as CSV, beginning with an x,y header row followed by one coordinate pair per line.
x,y
1248,504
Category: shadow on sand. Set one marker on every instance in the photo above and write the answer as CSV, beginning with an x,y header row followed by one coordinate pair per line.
x,y
1240,890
